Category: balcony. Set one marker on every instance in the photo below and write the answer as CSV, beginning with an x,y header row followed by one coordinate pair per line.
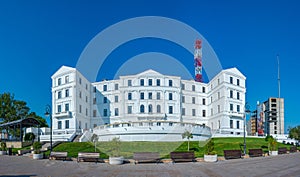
x,y
66,114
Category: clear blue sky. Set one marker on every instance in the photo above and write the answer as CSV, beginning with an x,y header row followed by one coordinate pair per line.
x,y
38,37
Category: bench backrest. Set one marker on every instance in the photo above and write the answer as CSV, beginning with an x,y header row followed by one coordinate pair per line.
x,y
255,151
89,154
59,154
145,155
237,153
182,155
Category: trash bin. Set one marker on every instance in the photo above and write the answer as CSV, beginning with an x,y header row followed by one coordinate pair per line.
x,y
9,150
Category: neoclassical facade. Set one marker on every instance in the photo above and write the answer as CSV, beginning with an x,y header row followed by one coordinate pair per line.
x,y
79,105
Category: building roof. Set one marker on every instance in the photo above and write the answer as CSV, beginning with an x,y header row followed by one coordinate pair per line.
x,y
63,70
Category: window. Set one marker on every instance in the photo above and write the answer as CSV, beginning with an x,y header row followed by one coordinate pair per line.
x,y
116,99
79,94
238,95
94,100
104,87
203,89
231,94
66,79
158,82
231,80
94,89
158,124
170,96
86,112
211,112
203,113
59,81
59,94
219,95
142,109
116,111
182,87
193,112
104,99
80,108
58,124
67,93
170,109
142,82
129,109
58,108
67,124
183,111
193,87
86,86
142,95
238,82
86,99
238,124
129,83
193,100
231,107
183,99
150,110
218,81
80,81
94,113
158,110
170,83
219,108
203,101
105,112
129,96
231,123
150,82
67,107
150,95
116,86
158,95
238,108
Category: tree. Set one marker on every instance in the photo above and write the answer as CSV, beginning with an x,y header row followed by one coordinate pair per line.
x,y
12,109
294,132
187,135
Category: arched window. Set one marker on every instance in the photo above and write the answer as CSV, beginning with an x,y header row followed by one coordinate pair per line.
x,y
150,108
142,108
158,110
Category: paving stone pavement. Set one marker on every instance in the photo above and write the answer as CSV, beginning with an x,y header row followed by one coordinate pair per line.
x,y
282,165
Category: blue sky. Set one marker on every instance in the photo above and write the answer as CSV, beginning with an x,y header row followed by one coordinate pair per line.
x,y
38,37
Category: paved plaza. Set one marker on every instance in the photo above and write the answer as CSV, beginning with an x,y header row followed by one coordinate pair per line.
x,y
282,165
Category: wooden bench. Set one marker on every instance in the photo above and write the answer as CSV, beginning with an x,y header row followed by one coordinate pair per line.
x,y
293,149
89,157
255,152
182,157
24,151
146,157
58,155
232,154
282,150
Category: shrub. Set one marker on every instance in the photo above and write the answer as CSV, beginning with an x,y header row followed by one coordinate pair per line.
x,y
37,147
3,146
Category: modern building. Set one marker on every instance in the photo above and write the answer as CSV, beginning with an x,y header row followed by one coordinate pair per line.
x,y
268,118
148,97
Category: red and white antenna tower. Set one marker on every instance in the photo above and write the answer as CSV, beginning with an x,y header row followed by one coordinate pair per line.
x,y
198,61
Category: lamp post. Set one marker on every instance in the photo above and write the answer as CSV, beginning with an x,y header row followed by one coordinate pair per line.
x,y
48,113
246,111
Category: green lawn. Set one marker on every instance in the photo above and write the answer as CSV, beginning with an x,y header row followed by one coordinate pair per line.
x,y
164,148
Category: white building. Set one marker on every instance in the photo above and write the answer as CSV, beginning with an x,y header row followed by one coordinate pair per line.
x,y
79,105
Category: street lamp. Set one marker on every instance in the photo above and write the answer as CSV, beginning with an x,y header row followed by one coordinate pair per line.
x,y
246,111
48,113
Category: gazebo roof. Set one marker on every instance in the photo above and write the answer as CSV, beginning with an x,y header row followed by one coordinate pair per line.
x,y
27,122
